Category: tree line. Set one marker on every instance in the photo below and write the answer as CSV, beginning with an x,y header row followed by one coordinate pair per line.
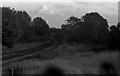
x,y
92,28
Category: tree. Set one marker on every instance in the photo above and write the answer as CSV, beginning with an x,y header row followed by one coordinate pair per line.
x,y
114,37
56,34
24,21
95,27
91,28
71,23
10,28
71,29
40,27
15,27
118,25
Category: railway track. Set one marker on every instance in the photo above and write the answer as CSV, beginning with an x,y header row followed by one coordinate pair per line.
x,y
25,54
10,56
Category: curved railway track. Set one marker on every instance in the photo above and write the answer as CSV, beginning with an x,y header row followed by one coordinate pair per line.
x,y
21,53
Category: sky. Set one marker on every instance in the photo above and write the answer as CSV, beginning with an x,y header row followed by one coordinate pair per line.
x,y
57,11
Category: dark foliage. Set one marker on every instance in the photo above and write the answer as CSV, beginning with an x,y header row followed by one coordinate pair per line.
x,y
108,69
17,27
56,35
40,26
114,37
9,26
91,28
53,71
95,27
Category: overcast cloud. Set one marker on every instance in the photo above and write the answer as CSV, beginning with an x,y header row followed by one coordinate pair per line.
x,y
56,12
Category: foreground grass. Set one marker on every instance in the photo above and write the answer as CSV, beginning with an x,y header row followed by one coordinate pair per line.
x,y
73,59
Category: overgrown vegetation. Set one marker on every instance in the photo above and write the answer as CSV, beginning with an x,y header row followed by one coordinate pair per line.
x,y
92,28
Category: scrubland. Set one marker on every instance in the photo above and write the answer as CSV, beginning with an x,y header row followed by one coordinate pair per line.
x,y
72,58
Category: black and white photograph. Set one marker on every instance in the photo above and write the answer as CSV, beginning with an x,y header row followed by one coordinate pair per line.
x,y
59,37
